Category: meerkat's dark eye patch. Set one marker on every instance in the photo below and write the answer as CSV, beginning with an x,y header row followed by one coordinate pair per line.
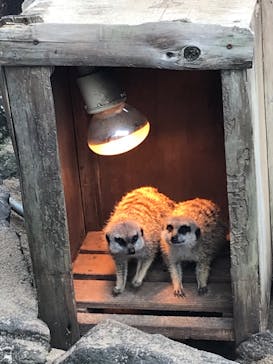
x,y
120,241
169,228
184,229
134,238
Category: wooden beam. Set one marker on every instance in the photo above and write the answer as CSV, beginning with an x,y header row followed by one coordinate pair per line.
x,y
232,13
242,196
175,327
34,132
172,35
171,45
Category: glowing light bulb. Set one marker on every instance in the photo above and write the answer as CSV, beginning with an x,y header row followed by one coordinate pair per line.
x,y
117,130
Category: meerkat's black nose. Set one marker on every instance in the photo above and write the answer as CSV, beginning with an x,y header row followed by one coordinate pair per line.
x,y
131,250
174,239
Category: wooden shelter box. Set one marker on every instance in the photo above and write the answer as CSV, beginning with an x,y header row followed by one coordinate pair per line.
x,y
200,71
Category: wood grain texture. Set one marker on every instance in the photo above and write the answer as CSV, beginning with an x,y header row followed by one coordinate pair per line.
x,y
267,54
145,34
89,171
93,262
33,122
259,80
68,158
93,265
175,327
184,154
94,242
150,296
235,12
101,266
242,196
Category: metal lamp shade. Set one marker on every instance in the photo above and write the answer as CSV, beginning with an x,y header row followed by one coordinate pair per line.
x,y
115,127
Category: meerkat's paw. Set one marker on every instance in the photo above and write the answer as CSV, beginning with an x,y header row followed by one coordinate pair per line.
x,y
202,290
116,291
136,284
179,292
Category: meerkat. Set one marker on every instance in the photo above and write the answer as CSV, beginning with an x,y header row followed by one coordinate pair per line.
x,y
194,232
134,230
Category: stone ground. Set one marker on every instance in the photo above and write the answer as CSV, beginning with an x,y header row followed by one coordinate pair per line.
x,y
23,337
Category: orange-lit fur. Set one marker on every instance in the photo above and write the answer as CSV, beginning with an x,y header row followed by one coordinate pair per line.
x,y
203,240
141,209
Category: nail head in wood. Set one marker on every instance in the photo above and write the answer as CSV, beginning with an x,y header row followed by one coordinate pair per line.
x,y
192,53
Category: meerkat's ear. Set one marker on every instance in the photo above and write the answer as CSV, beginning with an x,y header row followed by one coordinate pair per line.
x,y
142,232
198,233
107,238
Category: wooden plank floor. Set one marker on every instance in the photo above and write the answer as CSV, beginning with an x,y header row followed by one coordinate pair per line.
x,y
93,262
152,307
175,327
153,297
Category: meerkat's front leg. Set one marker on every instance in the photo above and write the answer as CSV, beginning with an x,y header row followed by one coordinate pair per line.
x,y
142,267
176,275
121,276
202,274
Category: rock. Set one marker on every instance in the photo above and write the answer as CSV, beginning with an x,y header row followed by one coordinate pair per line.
x,y
112,342
24,339
256,348
53,355
4,208
8,166
4,132
23,342
17,295
267,360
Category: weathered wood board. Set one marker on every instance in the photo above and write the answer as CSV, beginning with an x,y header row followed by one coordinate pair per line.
x,y
262,121
175,327
235,12
155,297
32,121
157,34
68,158
94,262
153,307
242,195
265,38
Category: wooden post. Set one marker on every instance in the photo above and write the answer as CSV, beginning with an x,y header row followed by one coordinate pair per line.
x,y
267,58
260,81
249,256
33,127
